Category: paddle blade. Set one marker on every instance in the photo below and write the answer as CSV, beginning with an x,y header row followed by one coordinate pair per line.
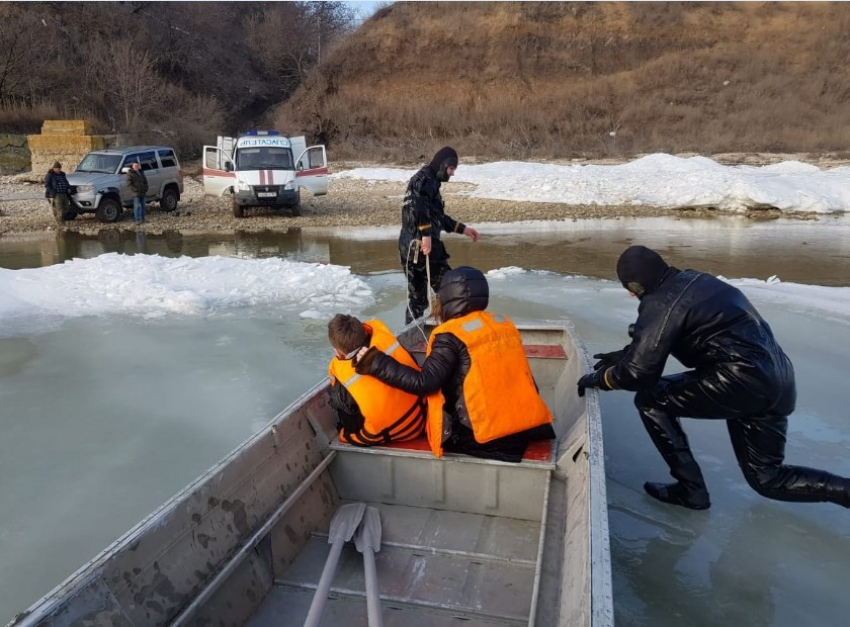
x,y
345,522
369,532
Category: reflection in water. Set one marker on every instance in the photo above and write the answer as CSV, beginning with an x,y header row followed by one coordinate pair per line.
x,y
141,243
795,251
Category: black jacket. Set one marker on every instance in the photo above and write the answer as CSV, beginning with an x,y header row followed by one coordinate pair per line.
x,y
711,327
423,214
137,182
56,184
463,290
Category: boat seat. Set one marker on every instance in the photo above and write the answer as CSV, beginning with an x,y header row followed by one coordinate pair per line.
x,y
538,452
538,351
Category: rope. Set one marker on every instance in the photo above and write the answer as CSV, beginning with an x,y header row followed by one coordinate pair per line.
x,y
415,243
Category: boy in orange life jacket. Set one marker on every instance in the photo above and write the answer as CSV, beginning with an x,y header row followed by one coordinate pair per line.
x,y
482,399
370,412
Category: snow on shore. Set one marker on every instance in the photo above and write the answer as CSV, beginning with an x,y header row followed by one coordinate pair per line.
x,y
660,181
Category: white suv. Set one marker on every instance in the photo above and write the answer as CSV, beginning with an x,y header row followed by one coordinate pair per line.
x,y
101,181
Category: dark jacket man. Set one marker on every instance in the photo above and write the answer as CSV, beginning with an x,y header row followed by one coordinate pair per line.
x,y
57,190
423,218
137,181
55,182
738,373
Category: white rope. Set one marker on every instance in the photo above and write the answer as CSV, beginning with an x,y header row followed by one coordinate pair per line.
x,y
415,243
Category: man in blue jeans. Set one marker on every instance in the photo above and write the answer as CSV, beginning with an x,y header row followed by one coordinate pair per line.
x,y
138,184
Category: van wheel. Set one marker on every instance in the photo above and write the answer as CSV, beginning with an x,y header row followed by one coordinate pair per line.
x,y
169,200
109,210
238,210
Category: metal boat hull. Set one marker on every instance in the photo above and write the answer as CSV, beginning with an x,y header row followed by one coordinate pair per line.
x,y
487,542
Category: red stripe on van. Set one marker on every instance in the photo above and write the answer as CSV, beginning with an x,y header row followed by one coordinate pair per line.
x,y
219,173
313,172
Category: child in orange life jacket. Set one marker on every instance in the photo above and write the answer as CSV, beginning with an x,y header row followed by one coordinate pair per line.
x,y
482,398
370,412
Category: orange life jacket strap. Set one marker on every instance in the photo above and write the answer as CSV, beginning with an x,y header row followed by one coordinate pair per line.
x,y
407,427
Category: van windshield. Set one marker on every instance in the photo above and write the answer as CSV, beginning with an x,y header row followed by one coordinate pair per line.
x,y
264,158
94,162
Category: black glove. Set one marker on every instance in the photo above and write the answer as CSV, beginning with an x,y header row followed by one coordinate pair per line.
x,y
607,360
592,380
364,364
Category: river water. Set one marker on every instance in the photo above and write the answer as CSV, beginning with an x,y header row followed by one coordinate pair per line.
x,y
105,417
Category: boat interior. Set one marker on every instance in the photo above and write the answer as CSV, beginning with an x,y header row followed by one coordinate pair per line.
x,y
461,540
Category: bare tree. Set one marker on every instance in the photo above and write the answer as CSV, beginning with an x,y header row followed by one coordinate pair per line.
x,y
125,74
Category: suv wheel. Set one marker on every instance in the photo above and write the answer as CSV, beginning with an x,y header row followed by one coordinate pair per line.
x,y
109,210
69,215
238,210
168,202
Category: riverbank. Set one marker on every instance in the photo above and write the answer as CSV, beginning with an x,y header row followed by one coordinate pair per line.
x,y
349,203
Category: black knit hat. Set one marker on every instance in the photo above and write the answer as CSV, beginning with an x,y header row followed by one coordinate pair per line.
x,y
641,270
445,158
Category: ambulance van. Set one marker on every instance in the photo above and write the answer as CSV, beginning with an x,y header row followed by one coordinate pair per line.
x,y
265,169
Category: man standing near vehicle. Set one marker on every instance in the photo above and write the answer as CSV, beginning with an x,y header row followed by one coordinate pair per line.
x,y
739,374
423,218
138,184
58,192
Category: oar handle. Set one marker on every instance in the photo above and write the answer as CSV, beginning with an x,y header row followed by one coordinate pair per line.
x,y
373,599
324,585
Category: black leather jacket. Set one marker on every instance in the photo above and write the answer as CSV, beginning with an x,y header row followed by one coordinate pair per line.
x,y
448,364
711,327
424,214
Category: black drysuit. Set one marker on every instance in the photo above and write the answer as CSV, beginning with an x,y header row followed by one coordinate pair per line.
x,y
422,215
738,373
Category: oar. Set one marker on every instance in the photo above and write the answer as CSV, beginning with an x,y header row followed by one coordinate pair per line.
x,y
343,526
368,541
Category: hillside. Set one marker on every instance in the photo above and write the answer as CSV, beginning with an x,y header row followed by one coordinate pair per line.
x,y
541,79
175,72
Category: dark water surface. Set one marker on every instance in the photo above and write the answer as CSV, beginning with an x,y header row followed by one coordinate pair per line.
x,y
814,252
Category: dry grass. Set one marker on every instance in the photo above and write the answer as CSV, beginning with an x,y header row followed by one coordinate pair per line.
x,y
23,118
567,79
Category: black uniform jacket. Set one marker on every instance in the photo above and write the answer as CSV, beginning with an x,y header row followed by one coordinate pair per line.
x,y
711,327
424,214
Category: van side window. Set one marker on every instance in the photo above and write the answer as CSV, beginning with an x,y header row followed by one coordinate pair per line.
x,y
167,159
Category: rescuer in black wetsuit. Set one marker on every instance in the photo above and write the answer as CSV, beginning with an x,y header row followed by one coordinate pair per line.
x,y
738,373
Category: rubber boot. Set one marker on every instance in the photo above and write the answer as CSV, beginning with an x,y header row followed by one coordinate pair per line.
x,y
677,494
670,440
838,491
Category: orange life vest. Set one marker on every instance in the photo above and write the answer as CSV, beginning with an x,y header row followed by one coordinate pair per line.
x,y
389,414
498,391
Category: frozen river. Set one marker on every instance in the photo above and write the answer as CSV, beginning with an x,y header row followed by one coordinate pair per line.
x,y
123,378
